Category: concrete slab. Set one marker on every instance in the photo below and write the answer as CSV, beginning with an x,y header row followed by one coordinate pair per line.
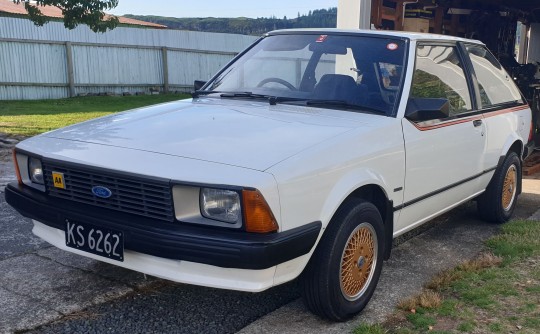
x,y
536,216
531,189
16,233
63,289
118,274
21,312
7,173
531,185
527,205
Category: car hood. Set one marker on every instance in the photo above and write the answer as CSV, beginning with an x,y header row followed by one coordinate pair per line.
x,y
247,134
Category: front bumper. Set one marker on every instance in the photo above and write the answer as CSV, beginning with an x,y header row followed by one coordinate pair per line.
x,y
175,241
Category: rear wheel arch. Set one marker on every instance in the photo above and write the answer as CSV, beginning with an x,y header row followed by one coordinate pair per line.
x,y
512,145
516,147
498,201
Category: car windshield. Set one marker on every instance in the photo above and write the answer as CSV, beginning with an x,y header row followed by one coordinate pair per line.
x,y
352,72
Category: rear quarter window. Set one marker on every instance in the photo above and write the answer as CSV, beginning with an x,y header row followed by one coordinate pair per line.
x,y
495,85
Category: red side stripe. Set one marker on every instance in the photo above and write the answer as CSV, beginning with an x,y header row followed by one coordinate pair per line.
x,y
421,127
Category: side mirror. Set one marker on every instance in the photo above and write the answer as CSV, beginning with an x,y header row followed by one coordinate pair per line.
x,y
198,84
425,109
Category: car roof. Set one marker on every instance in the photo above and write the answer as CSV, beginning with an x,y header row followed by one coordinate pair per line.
x,y
390,33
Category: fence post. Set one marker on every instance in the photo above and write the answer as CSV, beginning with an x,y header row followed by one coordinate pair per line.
x,y
71,77
165,62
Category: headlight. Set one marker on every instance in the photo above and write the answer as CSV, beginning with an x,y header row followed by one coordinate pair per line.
x,y
35,170
220,204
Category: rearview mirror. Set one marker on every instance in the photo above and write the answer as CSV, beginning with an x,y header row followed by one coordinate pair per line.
x,y
328,48
425,109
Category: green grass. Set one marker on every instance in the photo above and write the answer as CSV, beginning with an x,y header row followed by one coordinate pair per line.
x,y
483,288
532,322
535,289
466,327
517,240
448,308
28,118
529,307
369,329
420,320
490,294
495,327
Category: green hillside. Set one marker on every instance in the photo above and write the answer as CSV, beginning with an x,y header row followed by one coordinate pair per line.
x,y
320,18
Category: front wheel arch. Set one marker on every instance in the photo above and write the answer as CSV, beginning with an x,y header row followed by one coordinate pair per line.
x,y
323,288
376,195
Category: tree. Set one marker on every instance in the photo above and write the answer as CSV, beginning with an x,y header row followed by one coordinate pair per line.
x,y
89,12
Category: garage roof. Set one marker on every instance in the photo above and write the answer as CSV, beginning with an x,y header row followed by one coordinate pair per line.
x,y
524,5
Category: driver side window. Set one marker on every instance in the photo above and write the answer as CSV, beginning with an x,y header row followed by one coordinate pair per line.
x,y
439,74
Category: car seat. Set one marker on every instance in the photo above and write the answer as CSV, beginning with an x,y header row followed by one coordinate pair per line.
x,y
340,87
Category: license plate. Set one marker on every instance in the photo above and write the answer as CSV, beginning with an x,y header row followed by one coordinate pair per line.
x,y
96,240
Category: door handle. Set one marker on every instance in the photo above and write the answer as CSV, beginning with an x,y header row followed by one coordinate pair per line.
x,y
477,123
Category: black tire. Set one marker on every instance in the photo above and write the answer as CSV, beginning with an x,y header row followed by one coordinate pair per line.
x,y
498,202
321,282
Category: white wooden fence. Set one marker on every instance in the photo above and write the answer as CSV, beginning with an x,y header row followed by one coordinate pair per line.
x,y
53,62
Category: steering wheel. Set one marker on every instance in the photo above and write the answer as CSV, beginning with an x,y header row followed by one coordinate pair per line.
x,y
277,80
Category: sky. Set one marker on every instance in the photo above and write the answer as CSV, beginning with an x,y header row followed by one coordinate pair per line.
x,y
221,8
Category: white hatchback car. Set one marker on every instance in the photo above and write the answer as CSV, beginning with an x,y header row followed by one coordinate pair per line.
x,y
303,157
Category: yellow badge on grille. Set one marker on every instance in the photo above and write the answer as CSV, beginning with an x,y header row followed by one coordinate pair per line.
x,y
58,180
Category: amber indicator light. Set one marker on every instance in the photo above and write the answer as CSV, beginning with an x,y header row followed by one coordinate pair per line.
x,y
17,171
258,217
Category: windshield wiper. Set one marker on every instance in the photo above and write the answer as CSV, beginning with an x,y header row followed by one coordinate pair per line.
x,y
273,100
197,93
343,104
245,95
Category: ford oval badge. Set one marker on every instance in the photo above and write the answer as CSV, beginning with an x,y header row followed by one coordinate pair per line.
x,y
101,192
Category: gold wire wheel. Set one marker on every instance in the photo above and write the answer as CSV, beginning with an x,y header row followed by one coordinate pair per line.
x,y
358,261
509,188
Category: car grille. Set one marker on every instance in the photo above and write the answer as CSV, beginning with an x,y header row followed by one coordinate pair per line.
x,y
142,197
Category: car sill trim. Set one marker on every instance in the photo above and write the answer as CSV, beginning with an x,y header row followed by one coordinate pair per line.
x,y
437,192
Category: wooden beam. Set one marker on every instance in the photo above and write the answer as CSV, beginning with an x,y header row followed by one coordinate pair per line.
x,y
376,13
454,26
398,23
438,20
